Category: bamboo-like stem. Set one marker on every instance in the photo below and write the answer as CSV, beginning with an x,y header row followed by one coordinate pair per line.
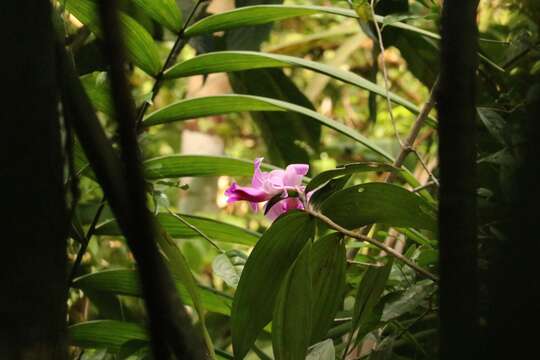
x,y
381,246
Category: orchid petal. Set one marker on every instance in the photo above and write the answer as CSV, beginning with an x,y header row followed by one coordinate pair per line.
x,y
283,206
259,177
237,193
294,174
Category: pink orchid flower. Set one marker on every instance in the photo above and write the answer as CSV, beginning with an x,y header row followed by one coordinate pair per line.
x,y
266,185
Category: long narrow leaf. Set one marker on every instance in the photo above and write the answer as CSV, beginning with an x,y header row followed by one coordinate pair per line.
x,y
223,104
230,61
125,282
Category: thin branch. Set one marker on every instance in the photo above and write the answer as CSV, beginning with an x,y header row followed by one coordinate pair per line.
x,y
381,246
408,146
84,244
171,58
385,74
194,228
425,186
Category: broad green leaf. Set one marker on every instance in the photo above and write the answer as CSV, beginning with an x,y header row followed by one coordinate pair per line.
x,y
494,123
165,12
369,292
292,318
139,44
262,276
223,104
288,146
181,271
382,203
328,264
125,282
230,61
346,170
105,334
175,166
332,186
215,229
228,266
98,90
411,298
323,350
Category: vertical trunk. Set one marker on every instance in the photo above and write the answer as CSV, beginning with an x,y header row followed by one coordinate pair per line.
x,y
515,300
33,255
457,157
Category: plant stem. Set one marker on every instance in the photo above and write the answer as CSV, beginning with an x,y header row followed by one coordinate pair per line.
x,y
173,54
381,246
408,145
194,228
84,244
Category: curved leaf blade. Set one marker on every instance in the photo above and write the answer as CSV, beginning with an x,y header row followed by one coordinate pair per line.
x,y
176,166
110,334
348,169
140,46
222,104
388,204
292,320
218,230
230,61
125,282
165,12
262,276
264,14
328,265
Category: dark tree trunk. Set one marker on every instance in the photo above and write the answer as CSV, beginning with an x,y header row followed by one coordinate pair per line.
x,y
34,215
515,297
457,156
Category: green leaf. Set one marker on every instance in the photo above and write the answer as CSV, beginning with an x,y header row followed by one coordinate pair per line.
x,y
139,44
383,203
165,12
215,229
181,271
105,334
323,350
230,61
125,282
263,14
228,266
369,292
346,170
175,166
292,320
263,273
494,123
328,274
411,298
224,104
98,90
285,144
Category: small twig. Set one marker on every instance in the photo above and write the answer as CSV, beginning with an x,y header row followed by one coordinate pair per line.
x,y
84,244
425,186
415,130
385,74
173,54
194,228
381,246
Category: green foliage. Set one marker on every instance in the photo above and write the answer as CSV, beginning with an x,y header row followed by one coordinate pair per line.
x,y
296,288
